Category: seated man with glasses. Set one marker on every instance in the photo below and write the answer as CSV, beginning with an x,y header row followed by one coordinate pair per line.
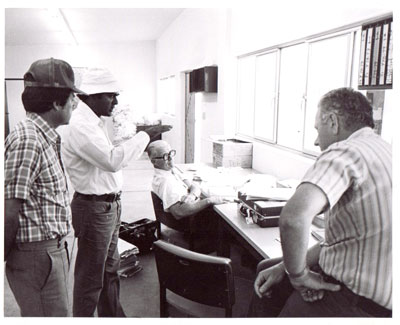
x,y
181,197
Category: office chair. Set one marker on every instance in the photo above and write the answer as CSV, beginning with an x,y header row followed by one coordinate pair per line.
x,y
203,280
181,233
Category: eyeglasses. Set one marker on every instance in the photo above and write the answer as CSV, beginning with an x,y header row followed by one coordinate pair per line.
x,y
167,156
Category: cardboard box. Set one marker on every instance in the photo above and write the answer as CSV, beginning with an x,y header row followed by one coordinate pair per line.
x,y
232,153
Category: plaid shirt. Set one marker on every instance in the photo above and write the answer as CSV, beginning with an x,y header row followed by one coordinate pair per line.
x,y
34,172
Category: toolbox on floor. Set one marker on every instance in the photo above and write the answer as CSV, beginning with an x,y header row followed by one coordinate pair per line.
x,y
140,233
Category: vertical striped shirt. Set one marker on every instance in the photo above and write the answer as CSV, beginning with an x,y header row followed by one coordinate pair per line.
x,y
356,177
34,173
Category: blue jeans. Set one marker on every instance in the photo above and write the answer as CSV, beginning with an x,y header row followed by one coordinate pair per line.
x,y
37,274
96,225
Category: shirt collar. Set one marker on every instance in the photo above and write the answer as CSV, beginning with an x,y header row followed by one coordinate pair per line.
x,y
45,127
162,172
89,115
360,132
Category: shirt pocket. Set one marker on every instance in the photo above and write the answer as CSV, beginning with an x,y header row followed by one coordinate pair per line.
x,y
51,177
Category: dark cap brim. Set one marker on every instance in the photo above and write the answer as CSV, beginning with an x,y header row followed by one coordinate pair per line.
x,y
78,91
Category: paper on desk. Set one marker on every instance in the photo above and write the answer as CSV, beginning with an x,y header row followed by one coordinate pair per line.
x,y
292,183
224,191
224,179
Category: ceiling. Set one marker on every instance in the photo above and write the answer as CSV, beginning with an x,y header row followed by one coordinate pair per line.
x,y
38,26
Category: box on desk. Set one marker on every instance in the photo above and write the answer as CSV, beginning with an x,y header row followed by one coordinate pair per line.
x,y
232,153
263,212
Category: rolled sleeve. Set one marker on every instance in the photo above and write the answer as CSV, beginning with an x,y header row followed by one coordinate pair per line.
x,y
334,171
21,167
135,146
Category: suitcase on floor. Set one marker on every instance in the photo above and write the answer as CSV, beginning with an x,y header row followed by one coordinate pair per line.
x,y
140,233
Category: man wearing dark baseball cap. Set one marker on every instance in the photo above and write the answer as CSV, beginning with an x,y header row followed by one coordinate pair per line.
x,y
95,165
37,208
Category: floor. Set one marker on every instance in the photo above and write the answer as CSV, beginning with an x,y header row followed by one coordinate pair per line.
x,y
139,294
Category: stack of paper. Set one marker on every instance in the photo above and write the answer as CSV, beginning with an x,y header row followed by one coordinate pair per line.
x,y
129,262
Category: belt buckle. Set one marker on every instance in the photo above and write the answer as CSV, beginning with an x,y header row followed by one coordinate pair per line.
x,y
114,196
59,238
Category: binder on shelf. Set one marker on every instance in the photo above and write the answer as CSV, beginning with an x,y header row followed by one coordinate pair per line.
x,y
368,50
383,61
362,58
389,72
375,55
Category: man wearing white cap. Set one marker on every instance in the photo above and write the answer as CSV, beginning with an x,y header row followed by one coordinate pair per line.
x,y
95,165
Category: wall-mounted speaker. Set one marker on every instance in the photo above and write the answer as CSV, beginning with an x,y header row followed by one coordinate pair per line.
x,y
204,79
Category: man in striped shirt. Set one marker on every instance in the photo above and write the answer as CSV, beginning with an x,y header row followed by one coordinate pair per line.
x,y
37,209
350,273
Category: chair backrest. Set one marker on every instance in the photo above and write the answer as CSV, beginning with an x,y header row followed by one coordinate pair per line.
x,y
198,277
167,218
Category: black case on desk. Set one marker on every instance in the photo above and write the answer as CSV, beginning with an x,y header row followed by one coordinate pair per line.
x,y
264,215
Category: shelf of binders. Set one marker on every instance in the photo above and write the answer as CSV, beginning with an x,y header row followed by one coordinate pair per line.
x,y
376,55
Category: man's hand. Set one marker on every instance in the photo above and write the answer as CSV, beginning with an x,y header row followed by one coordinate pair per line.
x,y
156,130
312,286
267,278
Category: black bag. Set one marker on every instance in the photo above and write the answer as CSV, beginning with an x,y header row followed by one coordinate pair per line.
x,y
140,233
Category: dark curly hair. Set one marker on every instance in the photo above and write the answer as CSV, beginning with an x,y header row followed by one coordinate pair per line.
x,y
352,106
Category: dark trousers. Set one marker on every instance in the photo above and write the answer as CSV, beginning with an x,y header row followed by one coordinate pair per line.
x,y
38,273
96,225
287,302
205,224
204,231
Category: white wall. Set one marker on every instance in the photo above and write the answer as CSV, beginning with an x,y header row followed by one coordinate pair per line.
x,y
132,64
197,38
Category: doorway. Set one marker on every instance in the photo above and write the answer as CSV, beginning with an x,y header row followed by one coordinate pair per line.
x,y
190,120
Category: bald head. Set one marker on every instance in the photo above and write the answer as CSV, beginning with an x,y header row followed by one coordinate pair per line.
x,y
158,148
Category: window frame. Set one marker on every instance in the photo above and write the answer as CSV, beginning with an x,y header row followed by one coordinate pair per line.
x,y
350,62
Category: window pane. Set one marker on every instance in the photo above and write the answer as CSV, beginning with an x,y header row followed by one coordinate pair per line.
x,y
246,95
328,69
264,118
293,70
